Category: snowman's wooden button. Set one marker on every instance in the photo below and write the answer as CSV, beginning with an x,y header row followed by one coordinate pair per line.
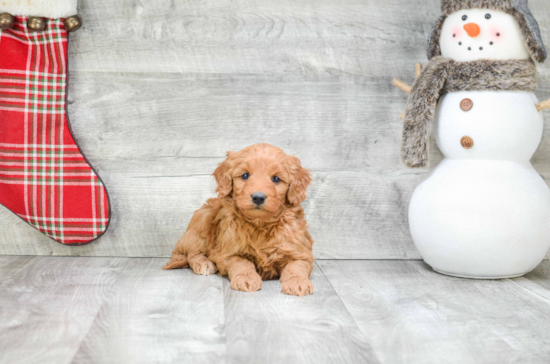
x,y
467,142
466,104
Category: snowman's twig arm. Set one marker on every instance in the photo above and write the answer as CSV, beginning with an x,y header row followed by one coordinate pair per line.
x,y
418,70
543,105
402,85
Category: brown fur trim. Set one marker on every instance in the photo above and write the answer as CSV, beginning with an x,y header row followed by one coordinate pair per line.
x,y
444,75
485,75
420,112
450,6
535,48
434,49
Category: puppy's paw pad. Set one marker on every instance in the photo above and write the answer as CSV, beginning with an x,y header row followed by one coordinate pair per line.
x,y
204,268
297,286
247,282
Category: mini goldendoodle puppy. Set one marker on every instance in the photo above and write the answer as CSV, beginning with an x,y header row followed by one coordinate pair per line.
x,y
256,228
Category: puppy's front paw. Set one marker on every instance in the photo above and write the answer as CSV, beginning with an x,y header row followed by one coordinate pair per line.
x,y
247,282
203,266
297,286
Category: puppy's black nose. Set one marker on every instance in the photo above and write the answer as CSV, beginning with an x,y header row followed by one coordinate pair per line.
x,y
258,198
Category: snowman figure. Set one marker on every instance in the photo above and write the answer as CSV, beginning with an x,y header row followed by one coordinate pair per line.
x,y
484,211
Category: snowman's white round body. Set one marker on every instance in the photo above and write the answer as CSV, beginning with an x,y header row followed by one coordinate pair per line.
x,y
483,212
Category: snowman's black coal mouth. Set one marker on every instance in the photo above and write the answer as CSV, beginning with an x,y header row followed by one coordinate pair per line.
x,y
480,48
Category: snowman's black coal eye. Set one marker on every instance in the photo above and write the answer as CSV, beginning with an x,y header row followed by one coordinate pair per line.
x,y
465,17
488,16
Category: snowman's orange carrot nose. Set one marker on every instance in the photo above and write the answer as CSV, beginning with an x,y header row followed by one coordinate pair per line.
x,y
472,29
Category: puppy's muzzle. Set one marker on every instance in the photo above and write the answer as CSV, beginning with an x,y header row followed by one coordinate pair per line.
x,y
258,198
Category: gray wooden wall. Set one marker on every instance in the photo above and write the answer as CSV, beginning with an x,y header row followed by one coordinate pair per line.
x,y
161,89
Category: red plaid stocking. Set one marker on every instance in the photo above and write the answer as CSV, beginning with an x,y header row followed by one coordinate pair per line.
x,y
44,178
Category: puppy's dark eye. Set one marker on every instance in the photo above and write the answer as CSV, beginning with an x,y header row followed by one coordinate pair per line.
x,y
245,176
276,179
487,16
465,17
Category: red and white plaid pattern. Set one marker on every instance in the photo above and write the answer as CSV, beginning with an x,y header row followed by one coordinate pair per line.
x,y
44,178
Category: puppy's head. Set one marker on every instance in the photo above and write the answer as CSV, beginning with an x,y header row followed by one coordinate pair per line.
x,y
262,181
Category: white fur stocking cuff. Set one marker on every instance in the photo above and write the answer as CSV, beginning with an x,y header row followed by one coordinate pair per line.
x,y
43,8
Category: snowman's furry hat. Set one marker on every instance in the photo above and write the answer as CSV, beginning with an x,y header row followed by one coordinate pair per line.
x,y
519,9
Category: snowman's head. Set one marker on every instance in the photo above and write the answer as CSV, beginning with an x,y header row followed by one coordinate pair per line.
x,y
473,34
470,30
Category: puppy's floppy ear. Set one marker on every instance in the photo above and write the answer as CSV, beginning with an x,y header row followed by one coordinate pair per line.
x,y
223,176
300,179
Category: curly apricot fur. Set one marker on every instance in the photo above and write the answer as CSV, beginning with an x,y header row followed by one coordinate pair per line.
x,y
250,243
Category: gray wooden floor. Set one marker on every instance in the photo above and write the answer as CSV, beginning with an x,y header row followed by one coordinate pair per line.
x,y
127,310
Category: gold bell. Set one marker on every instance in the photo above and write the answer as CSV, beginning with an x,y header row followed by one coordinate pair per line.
x,y
73,23
6,21
36,24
